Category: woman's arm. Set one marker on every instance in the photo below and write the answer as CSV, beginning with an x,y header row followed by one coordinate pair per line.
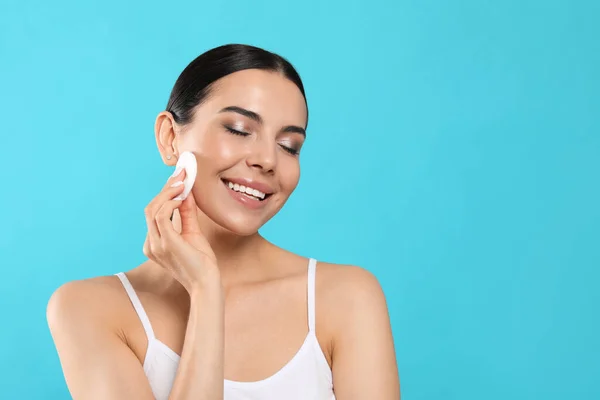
x,y
363,360
97,362
200,372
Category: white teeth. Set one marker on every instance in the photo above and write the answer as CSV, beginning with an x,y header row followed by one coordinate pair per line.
x,y
247,190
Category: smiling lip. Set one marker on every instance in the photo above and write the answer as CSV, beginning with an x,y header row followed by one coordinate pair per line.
x,y
249,202
263,187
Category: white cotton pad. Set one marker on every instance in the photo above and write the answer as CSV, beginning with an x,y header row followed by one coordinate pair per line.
x,y
187,161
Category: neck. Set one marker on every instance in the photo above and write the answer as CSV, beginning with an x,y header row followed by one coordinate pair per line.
x,y
239,258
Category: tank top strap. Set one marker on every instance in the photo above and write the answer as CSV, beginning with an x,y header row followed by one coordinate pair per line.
x,y
137,305
312,268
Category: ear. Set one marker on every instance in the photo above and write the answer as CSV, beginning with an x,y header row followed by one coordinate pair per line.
x,y
166,138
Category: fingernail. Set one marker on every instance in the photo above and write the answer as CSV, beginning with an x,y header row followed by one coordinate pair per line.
x,y
178,183
177,171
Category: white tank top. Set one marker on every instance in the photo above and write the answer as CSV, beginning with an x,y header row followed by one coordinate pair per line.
x,y
306,376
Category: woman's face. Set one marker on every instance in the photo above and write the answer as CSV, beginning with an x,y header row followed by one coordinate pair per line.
x,y
247,134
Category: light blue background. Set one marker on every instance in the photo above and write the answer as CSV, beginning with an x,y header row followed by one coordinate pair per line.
x,y
453,150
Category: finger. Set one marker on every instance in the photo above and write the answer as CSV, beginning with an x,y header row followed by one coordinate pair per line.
x,y
163,219
172,188
154,243
170,241
146,247
149,213
188,213
190,226
174,178
148,250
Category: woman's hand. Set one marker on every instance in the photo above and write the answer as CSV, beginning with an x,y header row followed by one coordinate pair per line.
x,y
187,255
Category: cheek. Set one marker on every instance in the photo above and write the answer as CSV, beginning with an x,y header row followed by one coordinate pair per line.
x,y
218,149
290,175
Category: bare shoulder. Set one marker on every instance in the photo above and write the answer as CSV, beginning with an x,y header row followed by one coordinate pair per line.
x,y
85,318
347,291
347,284
361,345
88,301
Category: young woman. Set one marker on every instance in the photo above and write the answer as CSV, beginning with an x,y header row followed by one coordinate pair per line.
x,y
217,311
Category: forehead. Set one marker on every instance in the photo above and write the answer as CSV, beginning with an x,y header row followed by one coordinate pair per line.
x,y
270,94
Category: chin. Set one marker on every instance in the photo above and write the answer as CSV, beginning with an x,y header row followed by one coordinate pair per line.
x,y
233,217
239,225
238,213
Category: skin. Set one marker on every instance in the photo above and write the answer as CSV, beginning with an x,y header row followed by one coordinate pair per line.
x,y
232,304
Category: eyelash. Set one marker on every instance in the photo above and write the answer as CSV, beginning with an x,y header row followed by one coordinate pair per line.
x,y
240,133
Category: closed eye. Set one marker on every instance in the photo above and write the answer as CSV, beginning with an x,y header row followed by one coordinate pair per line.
x,y
236,132
290,150
293,152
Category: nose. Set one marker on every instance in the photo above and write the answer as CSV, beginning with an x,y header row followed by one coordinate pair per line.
x,y
263,155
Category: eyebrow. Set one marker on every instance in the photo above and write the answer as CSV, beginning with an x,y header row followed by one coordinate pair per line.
x,y
256,117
